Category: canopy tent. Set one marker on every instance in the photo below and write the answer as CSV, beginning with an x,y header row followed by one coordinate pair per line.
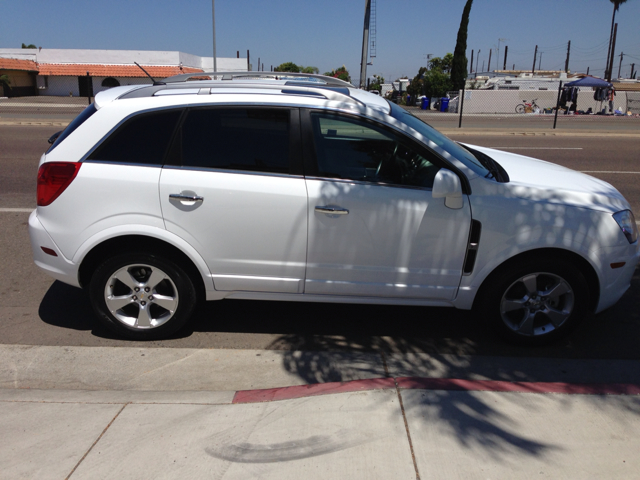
x,y
589,81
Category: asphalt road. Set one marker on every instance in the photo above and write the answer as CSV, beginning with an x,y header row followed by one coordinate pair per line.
x,y
35,310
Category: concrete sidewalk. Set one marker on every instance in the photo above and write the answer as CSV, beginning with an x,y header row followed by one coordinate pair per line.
x,y
93,412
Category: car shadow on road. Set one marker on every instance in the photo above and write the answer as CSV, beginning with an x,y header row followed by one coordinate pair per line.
x,y
295,326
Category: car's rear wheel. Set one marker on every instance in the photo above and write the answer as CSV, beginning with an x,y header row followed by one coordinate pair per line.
x,y
536,302
142,296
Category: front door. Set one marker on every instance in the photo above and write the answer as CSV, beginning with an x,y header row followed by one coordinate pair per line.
x,y
374,228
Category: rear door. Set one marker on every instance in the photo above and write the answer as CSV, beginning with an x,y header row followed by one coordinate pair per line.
x,y
234,190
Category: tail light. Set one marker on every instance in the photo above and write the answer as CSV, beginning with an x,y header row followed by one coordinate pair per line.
x,y
53,179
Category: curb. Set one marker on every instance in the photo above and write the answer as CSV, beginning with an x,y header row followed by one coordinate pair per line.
x,y
445,384
52,123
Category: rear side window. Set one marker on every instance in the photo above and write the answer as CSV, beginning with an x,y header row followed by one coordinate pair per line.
x,y
250,139
141,140
79,120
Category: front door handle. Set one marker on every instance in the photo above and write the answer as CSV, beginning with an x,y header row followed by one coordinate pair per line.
x,y
332,210
185,198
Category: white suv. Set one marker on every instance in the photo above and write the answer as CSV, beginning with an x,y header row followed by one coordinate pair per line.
x,y
305,188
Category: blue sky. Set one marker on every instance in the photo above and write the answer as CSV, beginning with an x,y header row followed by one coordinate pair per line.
x,y
328,33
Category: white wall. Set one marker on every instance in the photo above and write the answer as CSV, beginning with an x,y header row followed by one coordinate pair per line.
x,y
123,57
505,101
60,86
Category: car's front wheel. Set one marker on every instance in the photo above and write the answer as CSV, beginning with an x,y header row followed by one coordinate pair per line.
x,y
142,296
537,301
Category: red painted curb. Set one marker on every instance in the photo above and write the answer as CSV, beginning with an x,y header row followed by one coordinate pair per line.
x,y
300,391
455,384
419,383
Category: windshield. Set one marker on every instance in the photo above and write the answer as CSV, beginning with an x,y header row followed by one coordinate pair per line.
x,y
439,139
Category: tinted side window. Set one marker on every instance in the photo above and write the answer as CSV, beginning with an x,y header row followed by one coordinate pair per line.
x,y
142,139
255,139
357,150
79,120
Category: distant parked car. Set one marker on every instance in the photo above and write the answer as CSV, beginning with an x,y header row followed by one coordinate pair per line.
x,y
159,196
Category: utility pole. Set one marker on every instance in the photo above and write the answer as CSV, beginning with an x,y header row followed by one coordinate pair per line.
x,y
489,64
613,49
471,62
535,55
248,62
365,44
506,50
620,66
540,62
213,17
566,63
478,61
633,67
498,54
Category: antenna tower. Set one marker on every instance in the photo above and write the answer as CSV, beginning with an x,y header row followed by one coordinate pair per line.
x,y
372,30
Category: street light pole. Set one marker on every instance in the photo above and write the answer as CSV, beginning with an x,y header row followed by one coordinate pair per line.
x,y
213,17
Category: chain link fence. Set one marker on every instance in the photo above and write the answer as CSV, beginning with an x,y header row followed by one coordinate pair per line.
x,y
485,108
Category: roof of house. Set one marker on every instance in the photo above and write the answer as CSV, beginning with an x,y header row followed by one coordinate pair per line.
x,y
16,64
94,70
627,86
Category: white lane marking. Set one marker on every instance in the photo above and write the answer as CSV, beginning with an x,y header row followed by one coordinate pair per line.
x,y
607,171
541,148
20,210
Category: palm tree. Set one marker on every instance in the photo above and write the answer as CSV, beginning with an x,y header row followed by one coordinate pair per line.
x,y
616,7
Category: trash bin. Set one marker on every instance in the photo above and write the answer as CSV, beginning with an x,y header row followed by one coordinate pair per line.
x,y
425,104
444,104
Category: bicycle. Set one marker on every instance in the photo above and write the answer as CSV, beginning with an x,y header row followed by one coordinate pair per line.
x,y
522,107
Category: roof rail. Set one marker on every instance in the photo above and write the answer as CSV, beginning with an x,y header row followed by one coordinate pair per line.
x,y
329,92
309,78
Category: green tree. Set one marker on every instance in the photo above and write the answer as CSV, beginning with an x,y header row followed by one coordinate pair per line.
x,y
377,82
342,73
288,67
31,45
459,64
310,70
434,81
443,64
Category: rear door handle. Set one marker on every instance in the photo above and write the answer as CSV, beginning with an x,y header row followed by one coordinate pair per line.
x,y
332,210
186,198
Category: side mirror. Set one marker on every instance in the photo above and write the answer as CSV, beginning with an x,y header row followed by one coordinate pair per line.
x,y
447,185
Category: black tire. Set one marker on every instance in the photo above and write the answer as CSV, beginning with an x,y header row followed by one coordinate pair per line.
x,y
165,300
535,302
520,108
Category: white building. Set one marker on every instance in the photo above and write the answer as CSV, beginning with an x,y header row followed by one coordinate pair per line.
x,y
74,72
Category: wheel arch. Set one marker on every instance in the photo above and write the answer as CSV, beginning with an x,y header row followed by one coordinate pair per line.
x,y
583,265
130,243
